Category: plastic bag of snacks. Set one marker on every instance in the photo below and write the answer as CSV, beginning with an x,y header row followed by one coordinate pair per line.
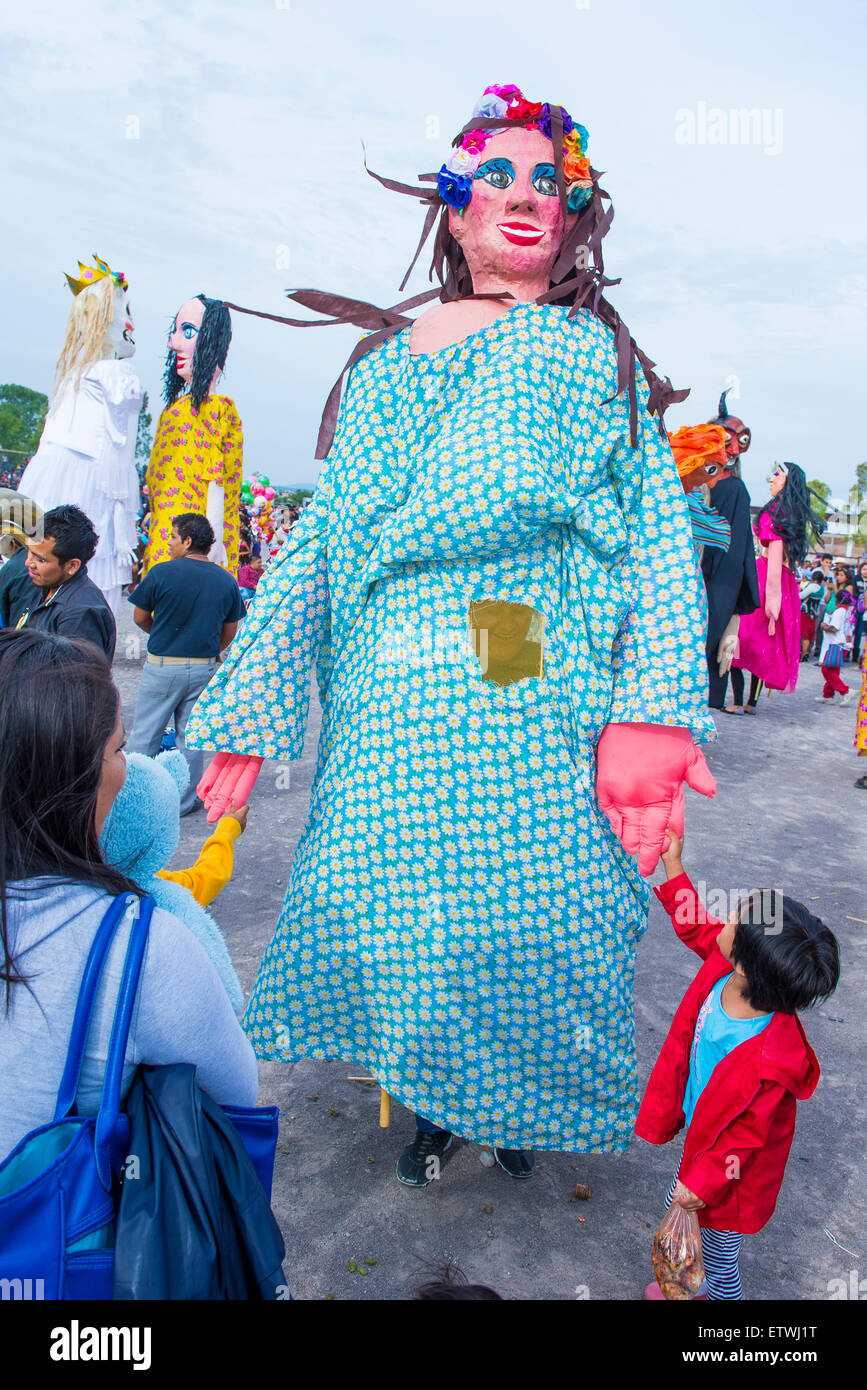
x,y
676,1255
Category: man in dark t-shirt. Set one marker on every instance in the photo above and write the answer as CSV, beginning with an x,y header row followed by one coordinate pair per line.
x,y
191,609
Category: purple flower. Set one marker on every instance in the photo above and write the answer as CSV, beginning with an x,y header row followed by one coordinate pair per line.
x,y
545,120
454,189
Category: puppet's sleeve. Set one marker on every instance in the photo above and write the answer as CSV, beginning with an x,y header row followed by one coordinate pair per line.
x,y
660,671
258,701
767,531
232,445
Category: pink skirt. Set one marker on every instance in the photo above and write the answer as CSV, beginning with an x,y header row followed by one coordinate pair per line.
x,y
775,660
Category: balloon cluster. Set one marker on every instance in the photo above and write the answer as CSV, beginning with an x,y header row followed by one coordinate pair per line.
x,y
258,498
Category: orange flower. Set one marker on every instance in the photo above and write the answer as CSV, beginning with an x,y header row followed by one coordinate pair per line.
x,y
694,445
575,168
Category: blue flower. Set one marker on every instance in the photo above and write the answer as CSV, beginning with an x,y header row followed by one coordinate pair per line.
x,y
490,105
454,189
579,198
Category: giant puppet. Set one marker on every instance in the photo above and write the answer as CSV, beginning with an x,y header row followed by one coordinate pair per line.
x,y
730,576
769,639
197,456
86,452
495,580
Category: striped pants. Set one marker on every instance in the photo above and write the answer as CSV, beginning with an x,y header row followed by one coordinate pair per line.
x,y
720,1251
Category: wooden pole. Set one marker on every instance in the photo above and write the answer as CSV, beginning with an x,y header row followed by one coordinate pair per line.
x,y
384,1109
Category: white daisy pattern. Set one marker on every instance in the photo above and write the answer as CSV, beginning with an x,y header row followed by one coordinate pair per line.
x,y
460,918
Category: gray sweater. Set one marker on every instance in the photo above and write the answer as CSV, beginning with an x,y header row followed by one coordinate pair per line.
x,y
182,1013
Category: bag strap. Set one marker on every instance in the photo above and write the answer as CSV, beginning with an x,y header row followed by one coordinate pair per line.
x,y
84,1008
109,1104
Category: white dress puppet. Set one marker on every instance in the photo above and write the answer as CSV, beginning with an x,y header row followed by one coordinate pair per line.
x,y
85,455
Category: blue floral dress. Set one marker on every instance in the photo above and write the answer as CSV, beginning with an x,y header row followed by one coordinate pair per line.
x,y
460,918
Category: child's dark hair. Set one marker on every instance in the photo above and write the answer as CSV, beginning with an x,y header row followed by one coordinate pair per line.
x,y
448,1284
789,957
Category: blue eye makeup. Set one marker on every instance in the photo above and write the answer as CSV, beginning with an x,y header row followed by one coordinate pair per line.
x,y
188,329
499,173
545,180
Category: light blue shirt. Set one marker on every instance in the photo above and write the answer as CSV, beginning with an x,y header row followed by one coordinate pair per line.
x,y
182,1012
716,1034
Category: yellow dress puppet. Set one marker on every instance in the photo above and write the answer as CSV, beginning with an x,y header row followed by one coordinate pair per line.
x,y
197,456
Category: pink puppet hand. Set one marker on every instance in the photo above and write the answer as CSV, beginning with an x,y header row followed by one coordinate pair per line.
x,y
227,780
640,772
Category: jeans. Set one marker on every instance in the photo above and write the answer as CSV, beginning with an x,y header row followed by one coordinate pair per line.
x,y
427,1126
169,692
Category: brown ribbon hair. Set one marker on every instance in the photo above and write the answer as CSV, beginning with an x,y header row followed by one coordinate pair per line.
x,y
573,285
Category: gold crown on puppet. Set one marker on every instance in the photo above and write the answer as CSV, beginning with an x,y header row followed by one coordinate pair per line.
x,y
89,275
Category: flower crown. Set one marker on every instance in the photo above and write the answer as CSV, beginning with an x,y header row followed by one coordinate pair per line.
x,y
455,178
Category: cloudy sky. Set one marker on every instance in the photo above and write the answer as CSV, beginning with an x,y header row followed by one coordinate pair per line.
x,y
217,147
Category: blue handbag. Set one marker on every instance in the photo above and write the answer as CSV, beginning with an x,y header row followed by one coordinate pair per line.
x,y
59,1185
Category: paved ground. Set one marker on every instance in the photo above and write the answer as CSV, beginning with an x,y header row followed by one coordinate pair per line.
x,y
786,813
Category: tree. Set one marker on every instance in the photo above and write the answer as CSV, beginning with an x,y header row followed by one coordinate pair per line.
x,y
22,415
858,505
144,440
823,489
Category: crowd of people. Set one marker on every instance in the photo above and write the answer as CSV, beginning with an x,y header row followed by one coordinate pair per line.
x,y
832,597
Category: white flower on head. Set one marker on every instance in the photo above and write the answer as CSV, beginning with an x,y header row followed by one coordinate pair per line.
x,y
462,161
490,105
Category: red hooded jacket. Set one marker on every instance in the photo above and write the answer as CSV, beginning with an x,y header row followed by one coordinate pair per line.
x,y
744,1120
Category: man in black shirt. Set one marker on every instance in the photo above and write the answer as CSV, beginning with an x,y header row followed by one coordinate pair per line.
x,y
63,599
191,609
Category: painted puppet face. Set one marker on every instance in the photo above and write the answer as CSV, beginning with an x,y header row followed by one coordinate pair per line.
x,y
778,481
738,436
708,475
120,339
513,225
184,335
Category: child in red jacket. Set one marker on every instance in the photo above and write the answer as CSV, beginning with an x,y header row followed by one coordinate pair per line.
x,y
736,1061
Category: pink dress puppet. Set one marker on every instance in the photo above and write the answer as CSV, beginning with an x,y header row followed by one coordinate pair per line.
x,y
769,640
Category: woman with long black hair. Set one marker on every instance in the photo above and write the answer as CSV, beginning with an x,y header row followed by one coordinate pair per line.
x,y
61,767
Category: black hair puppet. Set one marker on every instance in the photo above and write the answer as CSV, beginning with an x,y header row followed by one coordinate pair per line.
x,y
792,515
212,349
